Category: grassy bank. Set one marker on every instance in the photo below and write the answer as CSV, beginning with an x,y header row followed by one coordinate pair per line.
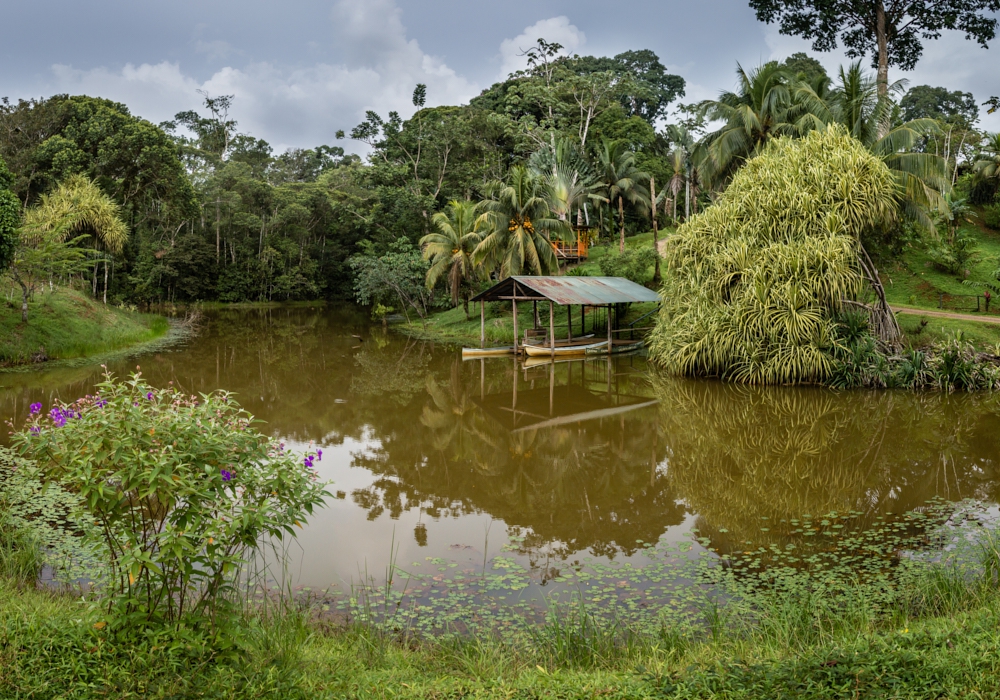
x,y
65,324
940,644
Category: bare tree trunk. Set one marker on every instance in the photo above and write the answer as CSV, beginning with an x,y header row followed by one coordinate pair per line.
x,y
687,198
883,50
621,219
656,235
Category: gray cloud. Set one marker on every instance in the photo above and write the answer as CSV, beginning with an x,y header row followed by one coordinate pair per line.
x,y
301,71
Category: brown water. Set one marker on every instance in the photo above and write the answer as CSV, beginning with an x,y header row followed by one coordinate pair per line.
x,y
456,463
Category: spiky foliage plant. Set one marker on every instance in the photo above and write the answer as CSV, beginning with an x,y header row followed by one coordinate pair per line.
x,y
755,283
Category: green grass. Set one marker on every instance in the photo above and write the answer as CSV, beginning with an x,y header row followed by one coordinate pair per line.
x,y
924,331
916,282
65,324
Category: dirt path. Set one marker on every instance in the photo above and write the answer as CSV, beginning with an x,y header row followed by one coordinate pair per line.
x,y
946,314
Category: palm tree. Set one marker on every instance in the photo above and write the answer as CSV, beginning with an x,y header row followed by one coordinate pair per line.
x,y
988,164
570,177
766,104
922,177
450,249
621,179
520,226
76,208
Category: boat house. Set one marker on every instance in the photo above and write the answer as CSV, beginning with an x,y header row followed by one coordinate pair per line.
x,y
591,294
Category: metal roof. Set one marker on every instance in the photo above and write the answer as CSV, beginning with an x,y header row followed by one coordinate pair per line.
x,y
568,290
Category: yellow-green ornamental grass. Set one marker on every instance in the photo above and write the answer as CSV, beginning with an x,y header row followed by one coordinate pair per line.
x,y
754,283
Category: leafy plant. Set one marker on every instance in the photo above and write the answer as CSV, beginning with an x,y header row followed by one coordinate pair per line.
x,y
632,264
754,284
182,488
991,216
954,255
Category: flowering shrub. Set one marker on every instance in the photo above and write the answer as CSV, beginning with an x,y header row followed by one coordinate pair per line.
x,y
182,488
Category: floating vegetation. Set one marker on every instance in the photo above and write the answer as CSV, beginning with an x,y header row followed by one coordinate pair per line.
x,y
829,571
47,510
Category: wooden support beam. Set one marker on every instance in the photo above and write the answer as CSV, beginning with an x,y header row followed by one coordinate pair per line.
x,y
610,339
514,304
552,328
482,324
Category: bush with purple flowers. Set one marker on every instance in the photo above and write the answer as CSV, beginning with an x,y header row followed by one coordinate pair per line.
x,y
183,488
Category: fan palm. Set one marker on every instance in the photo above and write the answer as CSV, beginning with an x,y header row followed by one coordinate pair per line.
x,y
450,249
621,180
519,226
571,180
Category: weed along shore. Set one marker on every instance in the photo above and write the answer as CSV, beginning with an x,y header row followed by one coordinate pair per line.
x,y
65,324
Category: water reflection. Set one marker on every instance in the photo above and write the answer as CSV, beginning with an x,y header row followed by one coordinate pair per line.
x,y
572,459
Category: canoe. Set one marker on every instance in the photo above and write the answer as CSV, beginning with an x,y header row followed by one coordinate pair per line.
x,y
468,353
619,346
547,351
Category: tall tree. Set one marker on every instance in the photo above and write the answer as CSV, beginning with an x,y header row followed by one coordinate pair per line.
x,y
10,217
520,227
926,102
766,104
621,180
450,249
892,31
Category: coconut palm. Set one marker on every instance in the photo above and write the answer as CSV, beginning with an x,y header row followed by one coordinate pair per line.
x,y
922,177
621,180
987,166
77,208
450,249
519,226
767,103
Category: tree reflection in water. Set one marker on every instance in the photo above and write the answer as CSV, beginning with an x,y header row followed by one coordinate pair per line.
x,y
740,455
575,485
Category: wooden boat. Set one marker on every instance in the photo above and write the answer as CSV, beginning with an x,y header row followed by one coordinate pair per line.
x,y
563,350
472,353
619,346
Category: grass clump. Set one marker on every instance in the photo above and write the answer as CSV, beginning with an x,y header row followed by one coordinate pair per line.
x,y
65,324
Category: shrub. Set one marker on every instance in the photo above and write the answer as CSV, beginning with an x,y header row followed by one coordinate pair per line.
x,y
182,488
634,264
955,255
754,285
991,216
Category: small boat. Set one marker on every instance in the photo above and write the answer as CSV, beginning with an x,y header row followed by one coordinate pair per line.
x,y
472,353
619,346
562,350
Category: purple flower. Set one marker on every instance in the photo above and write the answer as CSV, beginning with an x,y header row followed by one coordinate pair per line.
x,y
149,396
58,416
35,408
319,455
35,429
227,475
308,462
101,403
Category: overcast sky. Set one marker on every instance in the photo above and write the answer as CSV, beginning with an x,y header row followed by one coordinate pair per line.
x,y
302,69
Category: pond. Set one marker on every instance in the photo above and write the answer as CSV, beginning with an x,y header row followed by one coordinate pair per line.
x,y
445,467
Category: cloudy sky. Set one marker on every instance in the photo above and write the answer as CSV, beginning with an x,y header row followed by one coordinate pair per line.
x,y
302,69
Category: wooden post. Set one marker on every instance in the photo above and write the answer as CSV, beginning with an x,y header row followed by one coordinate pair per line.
x,y
514,304
552,328
609,329
569,320
552,386
482,324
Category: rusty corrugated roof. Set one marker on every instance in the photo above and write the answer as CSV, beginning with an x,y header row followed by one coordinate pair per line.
x,y
565,291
